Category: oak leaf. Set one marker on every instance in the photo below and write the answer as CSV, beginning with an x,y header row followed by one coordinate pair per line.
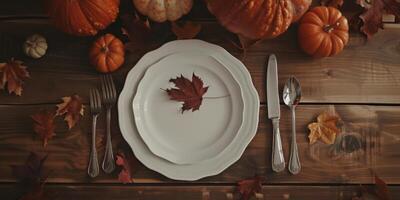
x,y
31,172
44,125
325,128
249,187
125,174
13,74
373,12
189,92
73,109
333,3
188,30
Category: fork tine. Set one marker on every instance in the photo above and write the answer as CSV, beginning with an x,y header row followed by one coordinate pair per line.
x,y
91,99
113,90
110,87
103,88
98,98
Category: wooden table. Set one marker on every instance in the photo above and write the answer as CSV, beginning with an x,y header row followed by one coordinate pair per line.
x,y
362,84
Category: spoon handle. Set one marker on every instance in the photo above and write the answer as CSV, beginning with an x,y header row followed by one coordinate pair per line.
x,y
278,161
294,161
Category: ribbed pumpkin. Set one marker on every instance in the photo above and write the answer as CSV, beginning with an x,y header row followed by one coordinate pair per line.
x,y
107,53
257,19
163,10
82,17
323,32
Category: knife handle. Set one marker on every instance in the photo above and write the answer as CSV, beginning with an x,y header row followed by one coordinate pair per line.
x,y
278,161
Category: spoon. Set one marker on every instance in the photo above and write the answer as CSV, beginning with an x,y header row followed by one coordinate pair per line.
x,y
291,97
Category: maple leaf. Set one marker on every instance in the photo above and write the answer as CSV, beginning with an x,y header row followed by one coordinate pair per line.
x,y
373,12
125,174
73,109
31,172
189,92
44,125
325,128
13,73
188,30
333,3
249,187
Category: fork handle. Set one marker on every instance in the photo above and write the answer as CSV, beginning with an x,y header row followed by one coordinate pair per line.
x,y
108,161
93,167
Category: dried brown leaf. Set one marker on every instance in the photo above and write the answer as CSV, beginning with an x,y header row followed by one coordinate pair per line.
x,y
325,128
44,125
13,74
249,187
72,108
187,30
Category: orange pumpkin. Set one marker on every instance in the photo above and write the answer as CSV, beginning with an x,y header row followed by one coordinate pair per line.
x,y
107,53
82,17
323,32
257,19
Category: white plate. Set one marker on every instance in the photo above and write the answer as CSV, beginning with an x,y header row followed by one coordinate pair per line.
x,y
188,137
208,167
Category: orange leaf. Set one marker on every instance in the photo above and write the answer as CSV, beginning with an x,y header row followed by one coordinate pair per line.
x,y
72,108
249,187
44,125
125,174
189,92
188,30
325,128
13,73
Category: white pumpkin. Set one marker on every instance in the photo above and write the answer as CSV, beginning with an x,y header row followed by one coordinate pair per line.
x,y
163,10
35,46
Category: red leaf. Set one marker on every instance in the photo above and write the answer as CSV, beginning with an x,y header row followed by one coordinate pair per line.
x,y
125,174
13,73
188,30
189,92
333,3
381,189
44,125
373,11
32,171
249,187
73,109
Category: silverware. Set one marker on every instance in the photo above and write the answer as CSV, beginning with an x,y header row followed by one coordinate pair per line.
x,y
95,109
291,97
278,161
109,98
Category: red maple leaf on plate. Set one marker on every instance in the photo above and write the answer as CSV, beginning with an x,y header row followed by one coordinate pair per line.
x,y
189,92
249,187
44,125
125,174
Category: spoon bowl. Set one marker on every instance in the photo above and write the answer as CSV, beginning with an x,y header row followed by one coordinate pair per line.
x,y
292,92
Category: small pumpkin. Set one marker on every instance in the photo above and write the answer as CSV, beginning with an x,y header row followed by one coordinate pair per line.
x,y
323,31
82,17
163,10
257,19
107,53
35,46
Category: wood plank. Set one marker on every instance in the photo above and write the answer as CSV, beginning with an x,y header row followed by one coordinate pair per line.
x,y
370,142
366,72
101,192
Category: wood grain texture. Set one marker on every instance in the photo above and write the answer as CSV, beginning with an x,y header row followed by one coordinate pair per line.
x,y
101,192
363,73
369,143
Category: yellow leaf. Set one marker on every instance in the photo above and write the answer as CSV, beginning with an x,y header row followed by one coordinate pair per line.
x,y
325,128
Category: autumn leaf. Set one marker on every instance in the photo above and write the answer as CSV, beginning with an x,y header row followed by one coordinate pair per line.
x,y
13,74
189,92
188,30
44,125
125,174
249,187
333,3
373,12
379,191
73,109
31,172
325,128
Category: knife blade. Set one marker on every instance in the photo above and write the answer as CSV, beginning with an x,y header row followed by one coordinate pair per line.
x,y
278,161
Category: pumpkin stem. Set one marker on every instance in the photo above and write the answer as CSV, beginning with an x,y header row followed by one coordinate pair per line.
x,y
330,27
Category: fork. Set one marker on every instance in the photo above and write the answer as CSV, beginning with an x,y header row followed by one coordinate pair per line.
x,y
109,98
95,109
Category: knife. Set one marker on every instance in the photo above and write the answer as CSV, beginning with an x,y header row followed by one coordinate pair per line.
x,y
278,161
